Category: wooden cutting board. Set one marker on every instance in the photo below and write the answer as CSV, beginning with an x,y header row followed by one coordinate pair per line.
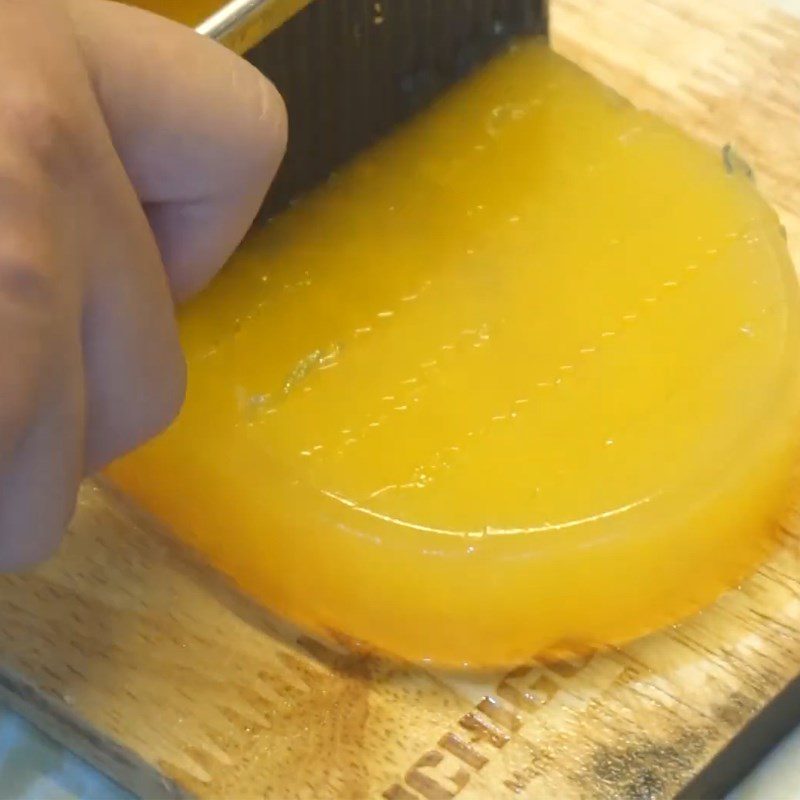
x,y
148,664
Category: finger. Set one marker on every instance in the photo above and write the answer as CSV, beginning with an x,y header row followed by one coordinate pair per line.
x,y
200,131
28,312
39,482
81,256
135,371
41,424
41,402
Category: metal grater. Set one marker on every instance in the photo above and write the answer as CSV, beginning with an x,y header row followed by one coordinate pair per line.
x,y
351,69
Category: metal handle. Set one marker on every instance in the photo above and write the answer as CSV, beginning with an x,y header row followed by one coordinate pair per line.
x,y
242,24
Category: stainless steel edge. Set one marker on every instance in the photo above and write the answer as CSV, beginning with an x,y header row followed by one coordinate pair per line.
x,y
242,24
350,70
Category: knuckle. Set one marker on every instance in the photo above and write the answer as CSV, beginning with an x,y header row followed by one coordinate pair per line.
x,y
30,300
41,125
28,287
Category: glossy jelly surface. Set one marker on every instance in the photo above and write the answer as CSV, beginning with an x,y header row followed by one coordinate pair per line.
x,y
519,381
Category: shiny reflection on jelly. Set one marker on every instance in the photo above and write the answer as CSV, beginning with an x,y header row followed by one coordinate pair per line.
x,y
519,381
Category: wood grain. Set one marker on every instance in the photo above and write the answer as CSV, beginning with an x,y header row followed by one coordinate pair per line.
x,y
148,664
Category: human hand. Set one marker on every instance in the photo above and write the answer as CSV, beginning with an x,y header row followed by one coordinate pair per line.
x,y
133,156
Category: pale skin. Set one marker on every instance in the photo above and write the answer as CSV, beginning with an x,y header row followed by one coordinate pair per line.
x,y
134,155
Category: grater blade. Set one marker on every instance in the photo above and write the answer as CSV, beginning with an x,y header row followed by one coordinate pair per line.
x,y
349,70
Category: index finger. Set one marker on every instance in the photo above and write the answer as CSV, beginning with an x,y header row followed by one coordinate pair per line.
x,y
200,131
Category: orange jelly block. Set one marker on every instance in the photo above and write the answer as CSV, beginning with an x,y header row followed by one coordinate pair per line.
x,y
519,381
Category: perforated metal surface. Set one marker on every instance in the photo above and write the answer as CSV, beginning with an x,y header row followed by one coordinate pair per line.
x,y
350,69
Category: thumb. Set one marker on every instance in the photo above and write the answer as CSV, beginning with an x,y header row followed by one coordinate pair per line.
x,y
200,131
